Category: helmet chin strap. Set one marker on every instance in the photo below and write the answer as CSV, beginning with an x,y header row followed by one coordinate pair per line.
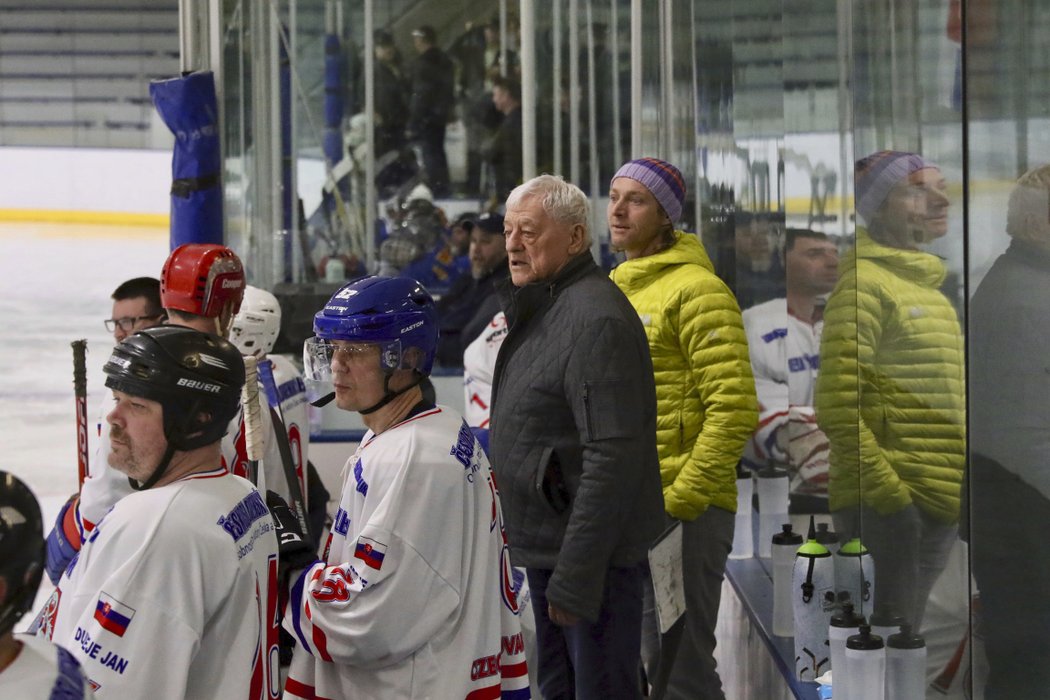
x,y
391,395
157,473
169,451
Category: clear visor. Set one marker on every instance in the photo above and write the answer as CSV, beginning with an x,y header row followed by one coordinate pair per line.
x,y
319,356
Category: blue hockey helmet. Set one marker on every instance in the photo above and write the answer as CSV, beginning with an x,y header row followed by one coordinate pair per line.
x,y
396,313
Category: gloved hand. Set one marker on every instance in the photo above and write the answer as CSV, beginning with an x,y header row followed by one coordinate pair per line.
x,y
293,548
63,542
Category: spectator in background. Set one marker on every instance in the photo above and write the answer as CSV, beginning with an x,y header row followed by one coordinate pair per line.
x,y
136,305
706,410
759,273
1009,327
460,311
783,338
890,393
460,232
391,95
430,107
576,463
503,152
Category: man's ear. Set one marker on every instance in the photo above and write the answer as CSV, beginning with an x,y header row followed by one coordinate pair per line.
x,y
577,239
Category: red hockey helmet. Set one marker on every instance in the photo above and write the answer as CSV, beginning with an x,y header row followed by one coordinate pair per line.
x,y
201,278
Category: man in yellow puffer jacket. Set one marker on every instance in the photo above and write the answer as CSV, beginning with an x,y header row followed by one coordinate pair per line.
x,y
705,395
890,395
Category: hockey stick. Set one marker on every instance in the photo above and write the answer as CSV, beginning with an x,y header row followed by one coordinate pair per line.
x,y
252,413
80,398
298,504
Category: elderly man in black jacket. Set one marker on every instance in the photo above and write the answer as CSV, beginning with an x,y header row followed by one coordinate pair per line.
x,y
573,445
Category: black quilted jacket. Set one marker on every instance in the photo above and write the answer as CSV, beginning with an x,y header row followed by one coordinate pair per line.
x,y
573,433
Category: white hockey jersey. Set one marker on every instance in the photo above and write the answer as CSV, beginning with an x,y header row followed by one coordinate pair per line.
x,y
415,598
174,595
479,364
104,485
42,670
785,359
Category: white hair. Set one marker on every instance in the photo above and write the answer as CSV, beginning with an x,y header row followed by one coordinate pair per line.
x,y
563,201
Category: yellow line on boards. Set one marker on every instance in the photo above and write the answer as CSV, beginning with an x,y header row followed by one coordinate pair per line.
x,y
110,218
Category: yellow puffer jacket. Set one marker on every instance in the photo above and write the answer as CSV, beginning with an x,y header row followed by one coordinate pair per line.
x,y
705,392
890,395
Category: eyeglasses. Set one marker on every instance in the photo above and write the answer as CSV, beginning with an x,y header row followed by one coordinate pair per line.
x,y
128,323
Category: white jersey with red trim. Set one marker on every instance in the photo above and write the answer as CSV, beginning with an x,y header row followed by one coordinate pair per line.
x,y
104,485
479,364
42,670
174,594
416,596
785,359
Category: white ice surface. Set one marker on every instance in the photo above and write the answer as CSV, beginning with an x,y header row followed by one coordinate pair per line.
x,y
55,286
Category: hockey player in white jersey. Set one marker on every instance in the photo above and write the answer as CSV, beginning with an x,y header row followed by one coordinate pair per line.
x,y
174,593
414,596
254,331
30,667
201,287
783,338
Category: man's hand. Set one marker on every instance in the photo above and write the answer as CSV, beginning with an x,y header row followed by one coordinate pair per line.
x,y
561,618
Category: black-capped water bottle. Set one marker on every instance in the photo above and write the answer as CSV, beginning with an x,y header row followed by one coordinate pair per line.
x,y
905,665
885,621
785,546
844,624
865,666
813,599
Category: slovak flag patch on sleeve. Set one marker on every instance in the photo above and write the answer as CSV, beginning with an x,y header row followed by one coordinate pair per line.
x,y
370,552
113,615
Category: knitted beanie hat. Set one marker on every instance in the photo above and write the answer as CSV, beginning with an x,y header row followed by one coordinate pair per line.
x,y
875,176
662,179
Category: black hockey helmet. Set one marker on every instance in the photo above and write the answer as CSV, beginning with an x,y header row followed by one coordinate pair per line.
x,y
196,377
21,549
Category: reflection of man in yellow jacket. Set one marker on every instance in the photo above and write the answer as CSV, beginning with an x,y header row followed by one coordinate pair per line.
x,y
705,396
890,393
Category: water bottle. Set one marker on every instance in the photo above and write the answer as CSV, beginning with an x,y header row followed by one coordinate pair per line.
x,y
785,546
827,537
772,507
844,624
865,666
813,599
885,621
855,574
743,530
905,665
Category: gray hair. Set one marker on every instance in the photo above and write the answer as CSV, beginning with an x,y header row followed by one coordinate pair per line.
x,y
562,201
1028,213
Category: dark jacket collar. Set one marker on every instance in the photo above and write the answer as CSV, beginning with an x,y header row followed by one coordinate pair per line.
x,y
521,303
1028,253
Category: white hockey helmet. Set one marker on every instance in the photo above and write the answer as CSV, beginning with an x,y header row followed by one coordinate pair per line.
x,y
257,323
